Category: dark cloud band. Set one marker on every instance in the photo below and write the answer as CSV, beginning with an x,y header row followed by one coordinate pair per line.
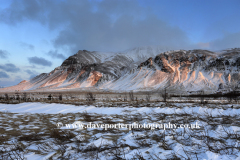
x,y
3,75
39,61
9,67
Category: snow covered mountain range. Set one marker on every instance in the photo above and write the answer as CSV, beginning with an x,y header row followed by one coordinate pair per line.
x,y
145,68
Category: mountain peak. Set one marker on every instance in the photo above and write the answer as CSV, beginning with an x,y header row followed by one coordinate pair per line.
x,y
142,68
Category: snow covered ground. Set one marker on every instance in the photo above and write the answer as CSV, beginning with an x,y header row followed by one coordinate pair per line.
x,y
32,131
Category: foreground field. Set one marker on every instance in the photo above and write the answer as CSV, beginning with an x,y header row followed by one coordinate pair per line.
x,y
41,131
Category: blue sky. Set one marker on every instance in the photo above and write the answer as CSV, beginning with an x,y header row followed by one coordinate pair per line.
x,y
37,35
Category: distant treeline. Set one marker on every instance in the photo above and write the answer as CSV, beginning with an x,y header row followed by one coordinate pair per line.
x,y
215,95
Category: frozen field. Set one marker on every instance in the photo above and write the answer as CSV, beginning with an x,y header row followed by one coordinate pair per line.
x,y
52,131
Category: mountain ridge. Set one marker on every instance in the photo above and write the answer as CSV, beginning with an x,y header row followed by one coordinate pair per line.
x,y
141,69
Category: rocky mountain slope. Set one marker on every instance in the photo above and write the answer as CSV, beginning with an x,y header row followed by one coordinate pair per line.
x,y
144,68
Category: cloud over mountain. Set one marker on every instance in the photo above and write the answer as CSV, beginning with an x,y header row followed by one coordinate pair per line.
x,y
55,54
100,25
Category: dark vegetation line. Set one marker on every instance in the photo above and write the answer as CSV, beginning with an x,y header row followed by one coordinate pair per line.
x,y
127,97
